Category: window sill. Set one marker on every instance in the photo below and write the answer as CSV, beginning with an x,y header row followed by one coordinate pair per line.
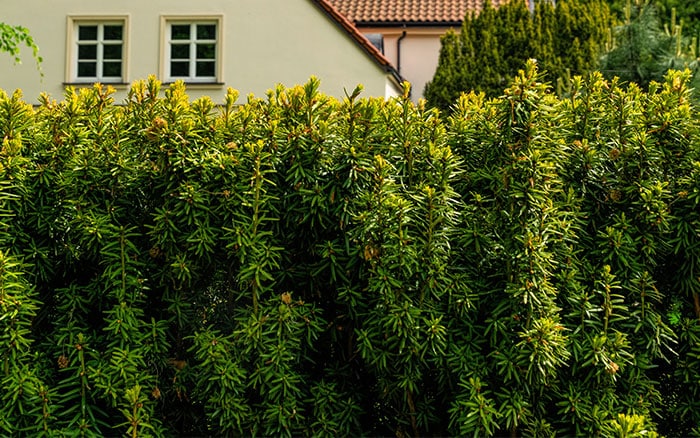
x,y
198,85
123,85
91,84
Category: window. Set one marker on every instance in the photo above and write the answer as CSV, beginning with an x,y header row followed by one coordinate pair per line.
x,y
192,50
377,40
97,50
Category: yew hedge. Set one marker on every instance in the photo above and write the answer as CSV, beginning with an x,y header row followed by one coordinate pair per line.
x,y
301,265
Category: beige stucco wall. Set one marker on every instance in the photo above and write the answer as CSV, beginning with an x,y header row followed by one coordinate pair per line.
x,y
265,42
420,50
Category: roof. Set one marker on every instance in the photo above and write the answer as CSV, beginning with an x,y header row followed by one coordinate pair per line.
x,y
425,12
342,20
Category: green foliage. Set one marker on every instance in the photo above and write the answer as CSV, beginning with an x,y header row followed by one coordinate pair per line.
x,y
296,265
566,40
685,13
642,51
11,40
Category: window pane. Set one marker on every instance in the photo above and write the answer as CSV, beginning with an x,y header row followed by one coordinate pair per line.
x,y
87,33
377,40
88,51
206,51
87,69
205,68
180,51
206,31
113,32
113,51
112,69
180,68
180,32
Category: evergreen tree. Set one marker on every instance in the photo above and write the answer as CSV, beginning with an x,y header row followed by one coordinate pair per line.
x,y
566,39
643,51
687,12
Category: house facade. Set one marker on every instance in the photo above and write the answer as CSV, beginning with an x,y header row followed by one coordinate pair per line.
x,y
211,45
408,31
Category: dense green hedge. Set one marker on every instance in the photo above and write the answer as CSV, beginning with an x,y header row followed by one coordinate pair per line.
x,y
298,265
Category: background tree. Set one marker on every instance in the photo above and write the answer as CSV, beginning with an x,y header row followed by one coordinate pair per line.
x,y
566,39
643,50
687,12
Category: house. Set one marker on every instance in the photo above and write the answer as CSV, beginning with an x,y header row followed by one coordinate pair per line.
x,y
249,45
408,32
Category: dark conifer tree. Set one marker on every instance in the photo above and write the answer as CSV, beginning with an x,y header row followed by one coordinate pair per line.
x,y
643,50
566,39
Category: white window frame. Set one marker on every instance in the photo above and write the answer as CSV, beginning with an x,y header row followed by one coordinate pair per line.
x,y
72,48
166,23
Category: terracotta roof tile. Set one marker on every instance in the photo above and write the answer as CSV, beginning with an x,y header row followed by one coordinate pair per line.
x,y
409,11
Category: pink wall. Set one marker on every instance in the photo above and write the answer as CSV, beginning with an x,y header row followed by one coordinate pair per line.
x,y
419,52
